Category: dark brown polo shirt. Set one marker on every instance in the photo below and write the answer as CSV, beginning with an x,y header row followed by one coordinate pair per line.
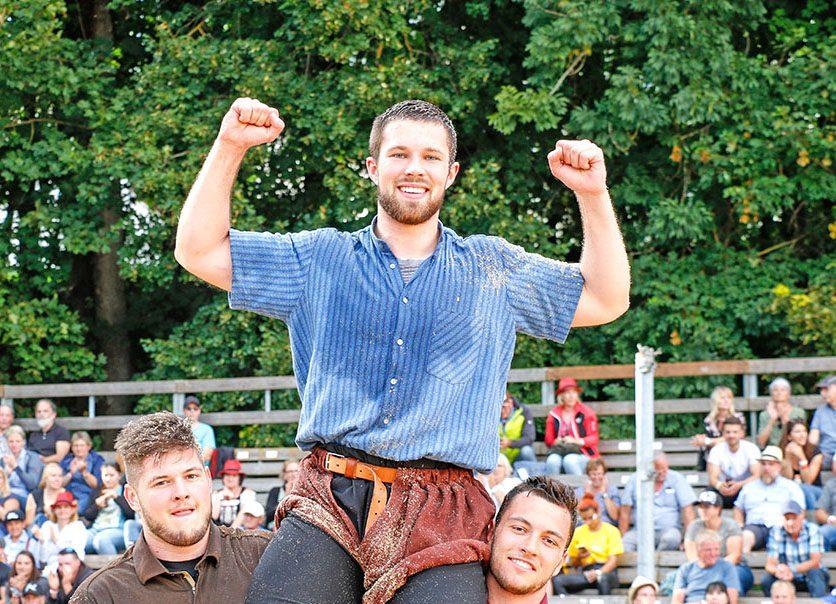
x,y
137,577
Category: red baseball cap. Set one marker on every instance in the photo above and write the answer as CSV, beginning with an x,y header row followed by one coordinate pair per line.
x,y
233,467
566,383
65,498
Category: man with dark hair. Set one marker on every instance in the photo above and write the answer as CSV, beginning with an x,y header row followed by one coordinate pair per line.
x,y
52,441
180,555
71,573
733,463
534,527
402,336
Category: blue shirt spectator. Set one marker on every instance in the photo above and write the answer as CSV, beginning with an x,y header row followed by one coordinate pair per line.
x,y
435,351
21,466
82,469
823,426
692,578
762,503
204,434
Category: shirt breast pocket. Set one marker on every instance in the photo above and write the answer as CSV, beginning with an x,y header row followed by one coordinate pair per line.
x,y
455,346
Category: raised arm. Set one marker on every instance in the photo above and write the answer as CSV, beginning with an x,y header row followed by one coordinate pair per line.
x,y
203,231
604,265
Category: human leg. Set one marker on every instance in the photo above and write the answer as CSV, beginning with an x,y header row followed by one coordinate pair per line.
x,y
828,532
766,583
89,548
524,469
668,539
131,531
817,580
463,583
109,541
526,454
630,540
746,578
569,583
608,582
302,564
811,495
554,463
575,464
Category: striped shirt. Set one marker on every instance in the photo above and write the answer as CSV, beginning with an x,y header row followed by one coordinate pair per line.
x,y
792,552
402,370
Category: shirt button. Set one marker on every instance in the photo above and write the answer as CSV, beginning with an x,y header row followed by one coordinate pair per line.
x,y
385,420
393,381
405,300
399,342
391,265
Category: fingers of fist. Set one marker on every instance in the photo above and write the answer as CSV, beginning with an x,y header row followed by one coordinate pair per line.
x,y
581,155
252,112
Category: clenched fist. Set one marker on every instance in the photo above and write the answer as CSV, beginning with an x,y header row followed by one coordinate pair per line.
x,y
580,166
249,122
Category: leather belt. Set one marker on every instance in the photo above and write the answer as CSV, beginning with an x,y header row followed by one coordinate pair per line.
x,y
353,468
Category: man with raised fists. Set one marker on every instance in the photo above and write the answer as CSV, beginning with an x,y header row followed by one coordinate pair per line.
x,y
402,336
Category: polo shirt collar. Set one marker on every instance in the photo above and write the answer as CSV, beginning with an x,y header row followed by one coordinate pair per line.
x,y
148,566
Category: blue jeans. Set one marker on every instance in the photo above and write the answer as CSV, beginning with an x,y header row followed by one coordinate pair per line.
x,y
828,533
811,495
130,532
526,454
572,463
107,541
815,581
745,576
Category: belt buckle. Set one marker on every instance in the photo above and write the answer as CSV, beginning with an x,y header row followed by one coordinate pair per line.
x,y
328,457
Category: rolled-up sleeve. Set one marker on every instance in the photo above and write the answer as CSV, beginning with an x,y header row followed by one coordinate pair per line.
x,y
270,271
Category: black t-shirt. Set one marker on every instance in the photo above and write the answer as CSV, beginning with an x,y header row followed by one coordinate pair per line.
x,y
44,443
186,566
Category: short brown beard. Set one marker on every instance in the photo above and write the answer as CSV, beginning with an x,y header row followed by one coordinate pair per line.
x,y
400,214
512,589
176,538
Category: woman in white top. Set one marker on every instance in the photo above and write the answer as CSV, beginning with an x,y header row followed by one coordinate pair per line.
x,y
63,529
227,502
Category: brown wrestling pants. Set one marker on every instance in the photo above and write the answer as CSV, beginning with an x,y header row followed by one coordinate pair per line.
x,y
433,518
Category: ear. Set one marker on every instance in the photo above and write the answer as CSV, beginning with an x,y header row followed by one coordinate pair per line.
x,y
563,562
371,168
452,173
131,497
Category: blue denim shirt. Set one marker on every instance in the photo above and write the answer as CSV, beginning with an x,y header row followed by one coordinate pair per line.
x,y
402,371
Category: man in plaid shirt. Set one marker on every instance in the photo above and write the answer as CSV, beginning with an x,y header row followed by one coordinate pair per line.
x,y
794,552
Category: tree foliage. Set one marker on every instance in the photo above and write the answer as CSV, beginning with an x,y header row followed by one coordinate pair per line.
x,y
715,118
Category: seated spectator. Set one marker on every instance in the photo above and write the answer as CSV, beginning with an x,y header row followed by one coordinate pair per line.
x,y
7,418
593,553
8,501
782,592
823,426
673,507
826,514
802,461
40,501
227,501
606,494
252,516
693,578
516,431
779,410
717,593
35,593
290,471
5,570
52,441
759,506
538,513
24,571
499,482
794,554
18,538
22,467
204,434
71,573
722,408
571,431
63,529
105,535
82,469
710,506
733,462
642,591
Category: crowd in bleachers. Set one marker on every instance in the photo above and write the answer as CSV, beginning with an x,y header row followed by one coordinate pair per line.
x,y
772,483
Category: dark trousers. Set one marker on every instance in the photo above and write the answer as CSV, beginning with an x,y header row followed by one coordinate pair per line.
x,y
303,565
815,581
565,584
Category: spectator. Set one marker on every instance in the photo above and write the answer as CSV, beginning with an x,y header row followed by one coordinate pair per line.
x,y
226,502
106,535
826,514
606,494
52,441
759,506
733,462
40,501
571,431
71,573
499,482
722,408
594,552
18,538
717,593
203,433
290,471
24,571
779,410
7,418
63,529
673,507
710,506
794,554
693,578
516,431
22,467
5,570
534,526
642,591
8,501
802,461
82,469
823,426
35,593
252,516
782,592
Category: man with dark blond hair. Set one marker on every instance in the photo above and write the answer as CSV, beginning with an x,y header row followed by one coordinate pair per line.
x,y
180,555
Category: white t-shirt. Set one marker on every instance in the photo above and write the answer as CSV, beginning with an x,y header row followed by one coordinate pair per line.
x,y
734,466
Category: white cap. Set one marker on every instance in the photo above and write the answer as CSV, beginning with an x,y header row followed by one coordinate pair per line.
x,y
253,508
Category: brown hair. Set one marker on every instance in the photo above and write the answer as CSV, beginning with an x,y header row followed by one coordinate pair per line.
x,y
785,437
153,436
595,463
553,491
419,111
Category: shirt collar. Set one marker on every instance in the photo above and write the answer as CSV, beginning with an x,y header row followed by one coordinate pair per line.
x,y
380,244
148,566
